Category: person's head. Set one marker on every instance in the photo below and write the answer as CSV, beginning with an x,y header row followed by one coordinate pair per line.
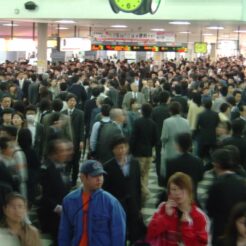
x,y
91,175
57,150
184,142
222,160
44,105
57,105
7,116
119,147
224,107
117,115
18,119
177,89
6,146
223,91
235,154
180,188
71,100
134,87
236,226
197,98
95,91
207,104
242,110
105,109
175,108
164,96
6,101
146,110
223,128
238,96
24,138
15,208
237,127
31,111
134,106
10,131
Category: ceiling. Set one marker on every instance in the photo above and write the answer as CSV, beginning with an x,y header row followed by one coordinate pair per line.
x,y
197,29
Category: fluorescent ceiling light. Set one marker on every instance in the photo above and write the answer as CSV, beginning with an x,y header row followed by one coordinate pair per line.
x,y
240,31
215,27
9,24
119,26
179,22
65,21
157,29
207,34
185,32
62,28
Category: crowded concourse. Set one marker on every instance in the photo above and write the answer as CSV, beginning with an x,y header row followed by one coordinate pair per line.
x,y
78,143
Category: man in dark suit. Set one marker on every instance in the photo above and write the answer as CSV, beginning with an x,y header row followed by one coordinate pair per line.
x,y
242,110
144,138
123,182
237,140
77,123
207,122
180,99
23,83
55,186
159,114
5,103
113,93
185,162
228,190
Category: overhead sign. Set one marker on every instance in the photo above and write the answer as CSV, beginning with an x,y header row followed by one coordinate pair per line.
x,y
75,44
146,48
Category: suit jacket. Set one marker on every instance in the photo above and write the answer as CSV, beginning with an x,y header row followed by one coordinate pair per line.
x,y
127,98
89,106
126,189
77,125
39,140
24,88
183,102
188,164
144,137
227,191
206,127
171,127
113,95
33,93
159,114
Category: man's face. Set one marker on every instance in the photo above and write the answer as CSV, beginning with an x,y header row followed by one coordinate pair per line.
x,y
7,118
92,183
71,103
6,102
238,97
62,153
134,87
120,151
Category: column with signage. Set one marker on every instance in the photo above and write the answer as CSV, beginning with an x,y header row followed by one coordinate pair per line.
x,y
42,47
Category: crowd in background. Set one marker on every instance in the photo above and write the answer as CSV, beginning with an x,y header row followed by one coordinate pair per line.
x,y
188,118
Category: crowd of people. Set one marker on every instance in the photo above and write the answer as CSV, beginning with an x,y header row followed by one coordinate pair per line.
x,y
188,118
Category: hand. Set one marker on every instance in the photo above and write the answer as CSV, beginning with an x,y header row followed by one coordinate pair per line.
x,y
81,145
170,205
58,209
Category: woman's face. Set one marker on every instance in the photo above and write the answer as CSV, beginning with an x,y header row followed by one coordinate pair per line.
x,y
241,227
180,196
15,210
17,120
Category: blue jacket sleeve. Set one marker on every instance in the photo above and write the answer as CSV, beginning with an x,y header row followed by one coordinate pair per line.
x,y
65,228
118,225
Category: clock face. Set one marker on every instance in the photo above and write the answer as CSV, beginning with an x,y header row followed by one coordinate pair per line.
x,y
201,48
128,5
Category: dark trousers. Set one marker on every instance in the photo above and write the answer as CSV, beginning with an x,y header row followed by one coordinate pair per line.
x,y
158,163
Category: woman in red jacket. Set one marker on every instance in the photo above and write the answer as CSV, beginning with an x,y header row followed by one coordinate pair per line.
x,y
178,221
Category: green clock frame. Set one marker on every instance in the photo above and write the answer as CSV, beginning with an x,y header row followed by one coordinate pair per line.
x,y
138,7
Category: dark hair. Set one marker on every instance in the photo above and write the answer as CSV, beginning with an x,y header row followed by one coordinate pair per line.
x,y
237,127
7,111
197,98
231,234
12,196
95,91
235,153
184,141
71,95
207,103
105,109
223,157
11,131
223,91
177,89
31,107
164,96
231,100
19,106
52,146
24,138
175,108
224,107
4,142
57,105
236,92
44,104
117,141
146,110
241,107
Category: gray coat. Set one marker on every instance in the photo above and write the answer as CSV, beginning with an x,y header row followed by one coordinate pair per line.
x,y
171,127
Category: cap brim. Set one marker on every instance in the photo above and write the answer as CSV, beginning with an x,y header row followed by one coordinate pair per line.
x,y
97,173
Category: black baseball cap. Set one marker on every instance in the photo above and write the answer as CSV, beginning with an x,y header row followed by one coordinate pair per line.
x,y
92,168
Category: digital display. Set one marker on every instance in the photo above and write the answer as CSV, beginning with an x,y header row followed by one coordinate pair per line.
x,y
96,47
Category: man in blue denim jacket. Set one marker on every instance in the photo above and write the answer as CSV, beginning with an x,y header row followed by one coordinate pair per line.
x,y
91,216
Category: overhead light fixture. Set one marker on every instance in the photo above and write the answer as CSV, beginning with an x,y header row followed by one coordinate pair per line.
x,y
119,26
157,29
66,22
62,28
185,32
179,22
215,27
240,31
207,34
10,24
